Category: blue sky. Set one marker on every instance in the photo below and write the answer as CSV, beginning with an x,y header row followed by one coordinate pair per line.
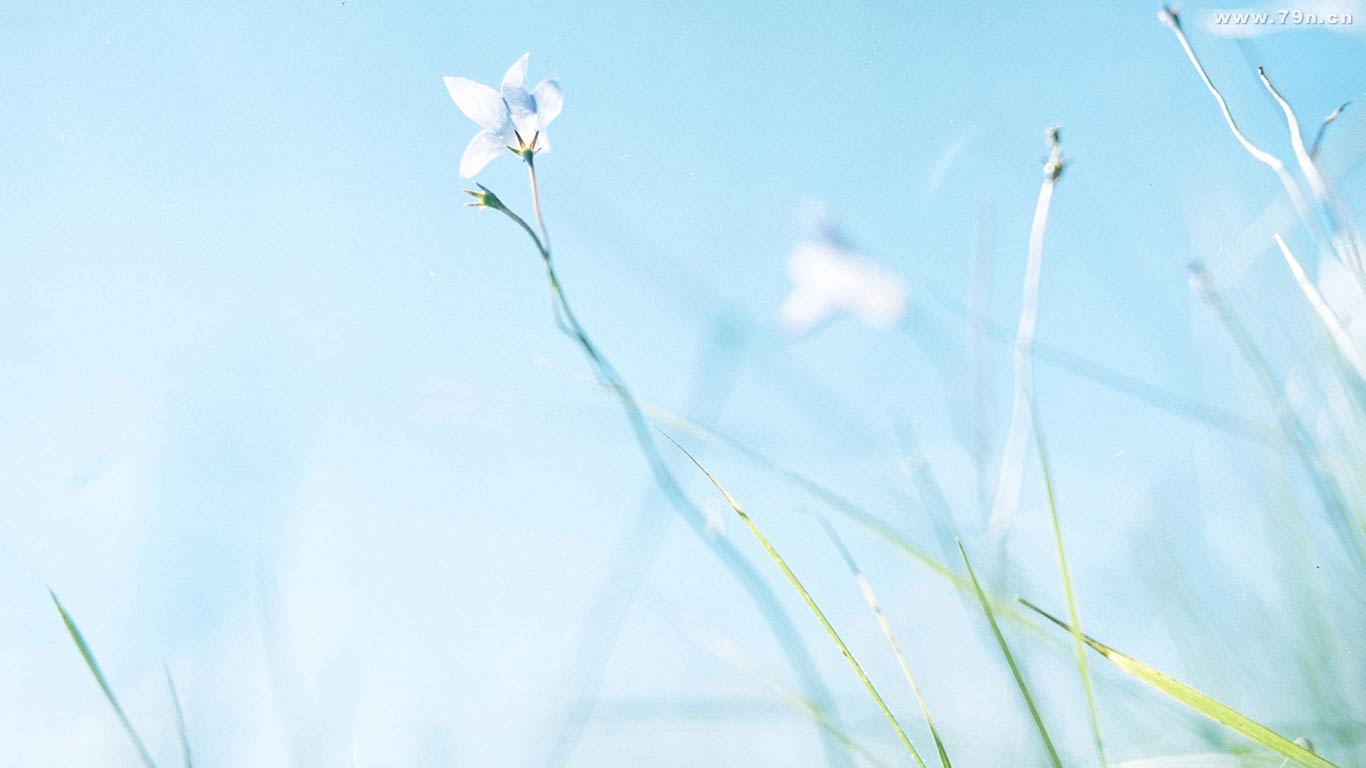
x,y
283,413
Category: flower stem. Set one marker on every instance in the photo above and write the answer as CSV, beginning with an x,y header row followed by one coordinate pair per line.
x,y
774,614
536,205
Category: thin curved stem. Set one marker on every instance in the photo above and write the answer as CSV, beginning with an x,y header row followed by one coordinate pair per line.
x,y
810,603
758,590
1170,17
868,595
1338,226
536,205
1025,420
1323,128
1012,459
634,558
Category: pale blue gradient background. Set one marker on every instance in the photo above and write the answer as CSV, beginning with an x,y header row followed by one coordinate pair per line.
x,y
276,408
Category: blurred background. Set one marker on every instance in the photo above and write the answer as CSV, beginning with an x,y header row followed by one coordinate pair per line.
x,y
282,415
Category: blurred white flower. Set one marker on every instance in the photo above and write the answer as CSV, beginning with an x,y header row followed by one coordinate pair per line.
x,y
510,117
828,277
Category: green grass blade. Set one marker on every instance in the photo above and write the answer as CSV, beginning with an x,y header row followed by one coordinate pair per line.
x,y
728,652
1198,701
1010,661
886,626
845,507
94,668
810,603
1083,668
179,720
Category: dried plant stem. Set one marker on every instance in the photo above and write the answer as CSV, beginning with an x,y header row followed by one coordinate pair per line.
x,y
758,590
1012,457
1338,221
1024,420
1323,128
1169,16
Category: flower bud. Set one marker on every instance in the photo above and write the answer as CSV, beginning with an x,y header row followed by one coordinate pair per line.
x,y
484,198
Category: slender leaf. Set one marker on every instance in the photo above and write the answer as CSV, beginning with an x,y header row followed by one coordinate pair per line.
x,y
94,668
809,600
728,652
1196,700
179,720
1080,651
1010,661
886,626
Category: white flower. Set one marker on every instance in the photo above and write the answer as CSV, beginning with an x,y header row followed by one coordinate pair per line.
x,y
828,277
510,117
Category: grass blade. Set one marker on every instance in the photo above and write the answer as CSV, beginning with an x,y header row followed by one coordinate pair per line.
x,y
809,600
728,652
1010,661
1082,667
851,511
1341,338
1348,524
1198,701
179,720
94,668
886,626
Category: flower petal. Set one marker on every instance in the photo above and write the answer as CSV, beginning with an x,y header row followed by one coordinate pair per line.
x,y
479,102
805,308
515,77
879,299
547,101
828,279
514,91
526,125
485,146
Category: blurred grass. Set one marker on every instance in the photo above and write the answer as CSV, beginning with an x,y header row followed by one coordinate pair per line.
x,y
810,603
1196,700
89,657
1010,662
886,628
1080,651
181,732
